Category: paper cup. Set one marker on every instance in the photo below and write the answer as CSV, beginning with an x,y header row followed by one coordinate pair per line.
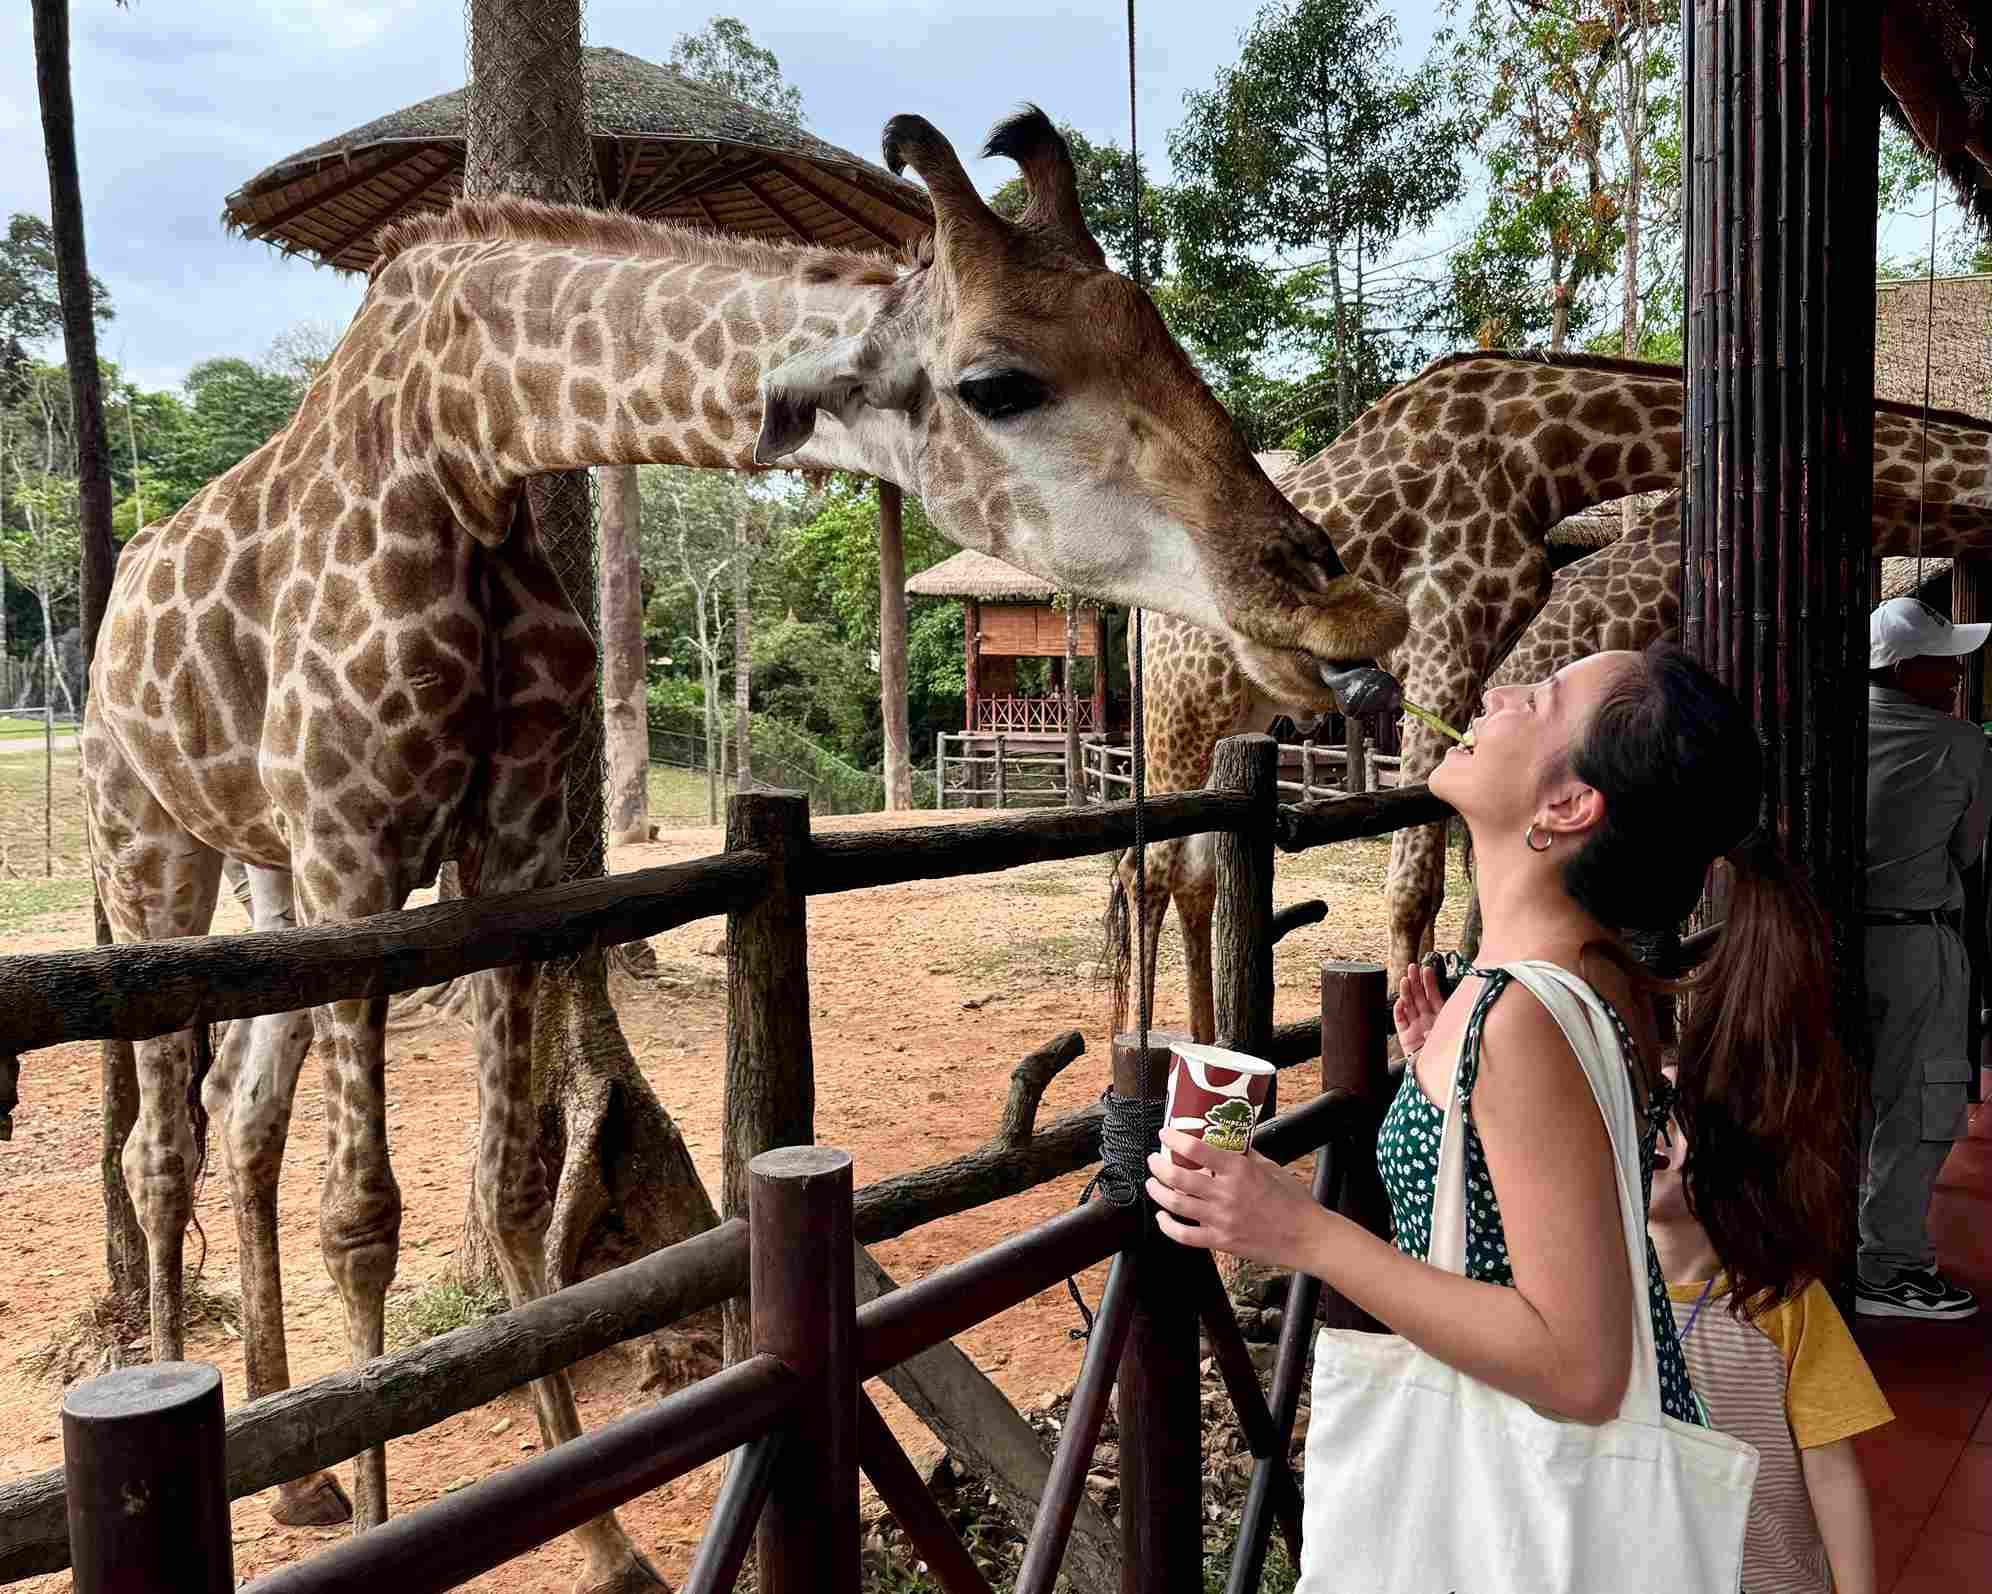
x,y
1216,1095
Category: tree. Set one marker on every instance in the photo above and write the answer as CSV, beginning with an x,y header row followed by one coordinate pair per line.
x,y
1909,188
30,300
1571,105
688,516
1295,172
724,56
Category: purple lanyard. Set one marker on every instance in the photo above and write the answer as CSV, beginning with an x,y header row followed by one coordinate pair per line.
x,y
1700,1301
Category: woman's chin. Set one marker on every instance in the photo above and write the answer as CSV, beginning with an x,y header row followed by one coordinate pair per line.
x,y
1445,781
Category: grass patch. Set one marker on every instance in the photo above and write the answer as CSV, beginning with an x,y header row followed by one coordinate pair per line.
x,y
11,726
438,1309
116,1331
23,794
28,899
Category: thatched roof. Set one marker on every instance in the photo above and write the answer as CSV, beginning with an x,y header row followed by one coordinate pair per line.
x,y
969,574
1936,73
1959,336
665,148
1898,577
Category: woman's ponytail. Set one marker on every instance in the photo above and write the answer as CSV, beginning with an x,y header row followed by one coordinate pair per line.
x,y
1765,1093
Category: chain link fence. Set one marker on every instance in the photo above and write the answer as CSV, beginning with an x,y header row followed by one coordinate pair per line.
x,y
784,757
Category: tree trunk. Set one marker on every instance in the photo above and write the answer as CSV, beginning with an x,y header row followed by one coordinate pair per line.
x,y
625,707
743,657
124,1240
1075,784
625,1184
1635,198
892,647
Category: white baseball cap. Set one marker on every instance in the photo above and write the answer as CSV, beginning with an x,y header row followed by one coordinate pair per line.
x,y
1908,628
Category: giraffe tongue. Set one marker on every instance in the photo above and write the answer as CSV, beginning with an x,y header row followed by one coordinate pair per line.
x,y
1362,689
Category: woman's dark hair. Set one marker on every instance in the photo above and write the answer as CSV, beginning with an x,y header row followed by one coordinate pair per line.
x,y
1764,1093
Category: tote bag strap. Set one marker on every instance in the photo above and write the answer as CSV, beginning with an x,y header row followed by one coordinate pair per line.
x,y
1592,1035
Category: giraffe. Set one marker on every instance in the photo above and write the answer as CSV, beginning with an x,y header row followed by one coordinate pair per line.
x,y
1628,594
347,659
1195,697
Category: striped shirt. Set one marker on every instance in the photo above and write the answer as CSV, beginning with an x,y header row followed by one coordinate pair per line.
x,y
1788,1380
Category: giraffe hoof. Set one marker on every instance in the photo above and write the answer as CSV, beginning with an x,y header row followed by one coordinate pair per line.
x,y
313,1503
634,1576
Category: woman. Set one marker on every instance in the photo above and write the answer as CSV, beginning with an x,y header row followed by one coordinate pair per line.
x,y
1596,802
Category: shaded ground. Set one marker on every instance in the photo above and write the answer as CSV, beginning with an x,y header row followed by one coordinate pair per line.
x,y
925,996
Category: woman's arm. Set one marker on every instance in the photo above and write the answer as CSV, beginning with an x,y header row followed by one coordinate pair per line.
x,y
1840,1506
1562,1337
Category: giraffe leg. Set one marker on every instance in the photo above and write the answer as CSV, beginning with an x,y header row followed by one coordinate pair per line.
x,y
249,1097
156,882
515,1204
1195,894
359,1206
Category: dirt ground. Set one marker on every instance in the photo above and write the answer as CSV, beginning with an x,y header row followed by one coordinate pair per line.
x,y
925,996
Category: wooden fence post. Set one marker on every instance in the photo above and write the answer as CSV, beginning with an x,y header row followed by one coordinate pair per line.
x,y
770,1069
805,1313
1307,770
1355,1057
1356,775
1002,773
940,771
147,1482
1161,1418
1242,929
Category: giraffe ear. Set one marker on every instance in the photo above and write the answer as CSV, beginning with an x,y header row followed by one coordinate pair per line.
x,y
843,378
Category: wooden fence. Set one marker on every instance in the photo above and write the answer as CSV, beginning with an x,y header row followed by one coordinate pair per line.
x,y
982,769
792,1412
1318,772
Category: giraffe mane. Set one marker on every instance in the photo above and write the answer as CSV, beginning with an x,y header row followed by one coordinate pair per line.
x,y
1619,366
509,219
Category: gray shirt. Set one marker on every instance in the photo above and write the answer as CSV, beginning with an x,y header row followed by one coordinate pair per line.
x,y
1929,798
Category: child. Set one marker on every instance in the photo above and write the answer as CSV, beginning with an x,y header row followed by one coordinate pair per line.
x,y
1787,1377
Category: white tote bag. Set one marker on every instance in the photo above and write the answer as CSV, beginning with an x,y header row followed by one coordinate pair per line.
x,y
1421,1480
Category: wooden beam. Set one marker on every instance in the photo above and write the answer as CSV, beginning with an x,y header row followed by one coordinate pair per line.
x,y
776,209
404,205
825,197
356,177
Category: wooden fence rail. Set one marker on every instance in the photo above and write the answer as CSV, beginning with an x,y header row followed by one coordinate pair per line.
x,y
467,1533
772,865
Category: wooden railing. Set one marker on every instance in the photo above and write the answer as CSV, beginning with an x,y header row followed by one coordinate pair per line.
x,y
1032,716
787,1383
1320,772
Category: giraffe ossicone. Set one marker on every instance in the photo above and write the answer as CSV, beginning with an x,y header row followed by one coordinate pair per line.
x,y
348,659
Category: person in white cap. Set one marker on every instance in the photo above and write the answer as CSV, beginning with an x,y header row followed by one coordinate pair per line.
x,y
1929,799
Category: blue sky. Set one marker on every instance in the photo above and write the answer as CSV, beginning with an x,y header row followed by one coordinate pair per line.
x,y
178,105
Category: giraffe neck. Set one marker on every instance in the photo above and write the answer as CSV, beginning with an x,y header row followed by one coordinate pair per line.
x,y
529,356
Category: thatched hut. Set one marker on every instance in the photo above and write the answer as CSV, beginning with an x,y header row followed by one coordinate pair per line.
x,y
1009,614
665,148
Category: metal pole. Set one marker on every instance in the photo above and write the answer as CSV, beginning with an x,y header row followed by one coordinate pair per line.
x,y
147,1484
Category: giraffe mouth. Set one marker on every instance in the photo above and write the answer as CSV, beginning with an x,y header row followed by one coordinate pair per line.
x,y
1361,688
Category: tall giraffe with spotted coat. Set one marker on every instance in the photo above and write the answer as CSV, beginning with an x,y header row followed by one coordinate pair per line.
x,y
1472,593
348,660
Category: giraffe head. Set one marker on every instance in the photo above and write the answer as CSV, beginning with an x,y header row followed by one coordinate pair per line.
x,y
1043,412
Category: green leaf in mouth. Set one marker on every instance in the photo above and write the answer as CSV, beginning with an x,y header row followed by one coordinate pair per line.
x,y
1426,717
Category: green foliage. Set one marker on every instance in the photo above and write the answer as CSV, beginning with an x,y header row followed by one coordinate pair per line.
x,y
723,55
1106,199
1296,173
30,304
1565,98
440,1309
1908,188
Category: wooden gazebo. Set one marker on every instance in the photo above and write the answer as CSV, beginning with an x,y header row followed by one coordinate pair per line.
x,y
1009,614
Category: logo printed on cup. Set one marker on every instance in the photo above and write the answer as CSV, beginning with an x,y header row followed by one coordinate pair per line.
x,y
1216,1095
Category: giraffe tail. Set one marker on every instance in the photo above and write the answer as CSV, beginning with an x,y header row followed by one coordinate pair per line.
x,y
1116,955
203,1063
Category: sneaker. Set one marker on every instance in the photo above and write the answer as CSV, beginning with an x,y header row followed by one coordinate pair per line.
x,y
1922,1292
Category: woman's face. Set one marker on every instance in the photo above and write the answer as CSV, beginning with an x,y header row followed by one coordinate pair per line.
x,y
1522,740
1670,1154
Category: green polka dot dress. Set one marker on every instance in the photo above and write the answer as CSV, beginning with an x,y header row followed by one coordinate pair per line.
x,y
1407,1155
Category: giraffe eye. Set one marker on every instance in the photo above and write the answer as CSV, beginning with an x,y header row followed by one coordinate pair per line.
x,y
1003,394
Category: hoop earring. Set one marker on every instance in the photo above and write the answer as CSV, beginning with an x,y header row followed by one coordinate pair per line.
x,y
1528,839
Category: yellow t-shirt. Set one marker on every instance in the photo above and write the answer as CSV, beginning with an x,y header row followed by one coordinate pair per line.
x,y
1787,1380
